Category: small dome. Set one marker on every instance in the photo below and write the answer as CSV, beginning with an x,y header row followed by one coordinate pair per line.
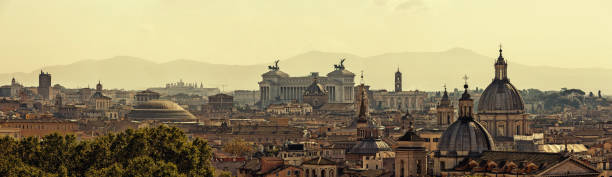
x,y
501,97
370,146
466,135
163,110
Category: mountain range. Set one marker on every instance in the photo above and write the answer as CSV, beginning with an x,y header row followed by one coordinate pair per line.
x,y
421,71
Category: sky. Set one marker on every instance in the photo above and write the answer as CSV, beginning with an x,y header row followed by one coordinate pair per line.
x,y
560,33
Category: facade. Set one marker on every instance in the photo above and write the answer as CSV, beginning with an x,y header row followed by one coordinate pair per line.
x,y
44,85
501,108
243,98
278,87
320,167
402,101
146,95
289,109
220,103
99,101
41,127
410,155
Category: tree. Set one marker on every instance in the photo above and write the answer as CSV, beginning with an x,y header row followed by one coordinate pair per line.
x,y
238,147
160,151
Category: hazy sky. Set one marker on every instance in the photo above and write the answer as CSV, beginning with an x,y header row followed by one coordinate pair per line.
x,y
36,33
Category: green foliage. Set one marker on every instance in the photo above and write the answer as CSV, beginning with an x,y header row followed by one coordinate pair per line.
x,y
225,174
160,151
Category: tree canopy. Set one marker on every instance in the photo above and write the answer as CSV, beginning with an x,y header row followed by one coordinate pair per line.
x,y
160,151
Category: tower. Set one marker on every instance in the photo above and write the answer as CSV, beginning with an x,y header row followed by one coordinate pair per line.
x,y
362,117
445,110
44,85
398,81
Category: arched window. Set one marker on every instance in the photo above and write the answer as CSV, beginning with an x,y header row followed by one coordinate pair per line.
x,y
402,168
307,173
418,166
323,173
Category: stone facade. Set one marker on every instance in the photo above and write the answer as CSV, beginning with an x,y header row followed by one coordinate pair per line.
x,y
278,87
403,101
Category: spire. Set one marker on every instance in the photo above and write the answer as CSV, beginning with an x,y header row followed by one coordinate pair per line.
x,y
445,96
444,102
500,58
465,95
363,107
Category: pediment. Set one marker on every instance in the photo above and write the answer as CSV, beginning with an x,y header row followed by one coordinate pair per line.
x,y
570,167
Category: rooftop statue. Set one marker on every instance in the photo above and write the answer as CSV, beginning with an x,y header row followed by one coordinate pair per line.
x,y
341,65
275,66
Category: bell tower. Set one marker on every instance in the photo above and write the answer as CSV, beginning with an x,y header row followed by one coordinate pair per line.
x,y
398,81
445,110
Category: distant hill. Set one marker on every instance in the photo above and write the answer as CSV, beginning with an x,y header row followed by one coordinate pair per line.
x,y
421,70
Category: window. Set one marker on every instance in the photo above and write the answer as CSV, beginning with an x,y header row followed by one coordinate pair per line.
x,y
402,169
427,139
288,173
296,173
436,139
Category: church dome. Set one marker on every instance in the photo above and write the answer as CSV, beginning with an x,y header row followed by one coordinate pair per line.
x,y
163,110
501,97
466,135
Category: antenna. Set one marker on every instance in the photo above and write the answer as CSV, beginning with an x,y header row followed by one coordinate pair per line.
x,y
466,78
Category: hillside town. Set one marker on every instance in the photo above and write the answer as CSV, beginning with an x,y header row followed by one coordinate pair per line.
x,y
333,124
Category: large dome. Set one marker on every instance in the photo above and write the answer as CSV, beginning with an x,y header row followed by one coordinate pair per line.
x,y
501,97
163,110
466,135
